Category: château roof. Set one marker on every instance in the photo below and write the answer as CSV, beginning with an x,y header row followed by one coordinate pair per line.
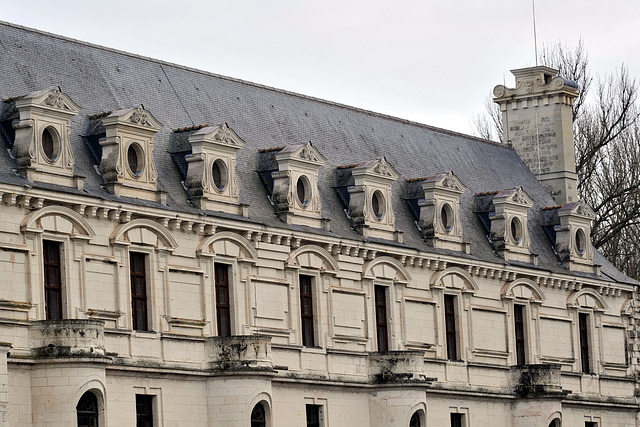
x,y
101,80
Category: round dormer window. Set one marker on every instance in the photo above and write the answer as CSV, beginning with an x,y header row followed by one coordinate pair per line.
x,y
580,240
378,204
50,144
303,190
135,159
219,174
446,217
516,230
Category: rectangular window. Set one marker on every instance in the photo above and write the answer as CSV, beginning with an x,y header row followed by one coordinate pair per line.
x,y
139,291
456,420
223,306
450,325
590,424
144,410
306,311
52,280
381,318
521,343
583,320
313,415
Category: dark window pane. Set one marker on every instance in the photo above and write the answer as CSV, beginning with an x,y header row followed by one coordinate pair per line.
x,y
415,420
306,311
456,420
521,345
313,415
223,307
138,292
583,320
258,417
87,410
144,410
381,318
450,325
52,280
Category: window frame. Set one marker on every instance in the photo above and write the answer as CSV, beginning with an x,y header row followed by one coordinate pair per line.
x,y
86,414
457,419
256,422
451,335
520,344
317,411
148,324
60,287
308,321
218,306
585,341
151,416
381,307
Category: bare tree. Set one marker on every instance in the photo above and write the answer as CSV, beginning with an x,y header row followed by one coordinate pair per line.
x,y
607,142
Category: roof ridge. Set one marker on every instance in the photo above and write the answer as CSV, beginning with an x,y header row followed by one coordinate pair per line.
x,y
258,85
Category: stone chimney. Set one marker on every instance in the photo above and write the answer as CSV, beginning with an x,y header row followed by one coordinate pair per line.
x,y
537,120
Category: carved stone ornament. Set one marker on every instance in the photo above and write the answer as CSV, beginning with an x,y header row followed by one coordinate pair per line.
x,y
309,153
140,116
382,168
56,100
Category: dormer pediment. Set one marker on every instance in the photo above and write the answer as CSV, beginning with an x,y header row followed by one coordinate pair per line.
x,y
211,169
514,197
135,118
365,189
577,209
300,154
445,182
222,136
52,99
127,163
505,214
290,173
378,169
435,200
42,144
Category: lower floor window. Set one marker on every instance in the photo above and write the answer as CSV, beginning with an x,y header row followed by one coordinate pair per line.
x,y
456,420
258,416
415,420
144,410
313,415
87,410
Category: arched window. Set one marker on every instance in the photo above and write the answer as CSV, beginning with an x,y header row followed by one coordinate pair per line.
x,y
415,420
258,418
87,410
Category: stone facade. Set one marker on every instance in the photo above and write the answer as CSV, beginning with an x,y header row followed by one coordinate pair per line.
x,y
439,291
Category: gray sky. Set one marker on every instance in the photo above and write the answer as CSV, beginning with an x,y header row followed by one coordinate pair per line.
x,y
429,61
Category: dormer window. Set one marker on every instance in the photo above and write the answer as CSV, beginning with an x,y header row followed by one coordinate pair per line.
x,y
303,191
435,202
365,189
126,160
135,159
220,174
50,144
206,157
569,229
378,205
516,230
504,215
41,144
290,174
446,217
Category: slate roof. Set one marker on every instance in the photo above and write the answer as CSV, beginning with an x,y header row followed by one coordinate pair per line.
x,y
100,79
